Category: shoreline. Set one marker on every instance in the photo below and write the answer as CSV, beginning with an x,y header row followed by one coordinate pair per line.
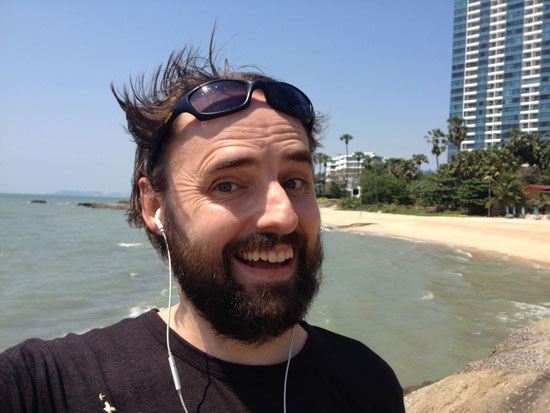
x,y
523,239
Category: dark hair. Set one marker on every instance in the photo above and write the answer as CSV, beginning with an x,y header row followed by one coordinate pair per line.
x,y
147,104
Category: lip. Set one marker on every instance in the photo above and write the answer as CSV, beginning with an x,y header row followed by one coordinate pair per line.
x,y
246,274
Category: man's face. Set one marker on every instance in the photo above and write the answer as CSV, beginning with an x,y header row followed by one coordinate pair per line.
x,y
242,220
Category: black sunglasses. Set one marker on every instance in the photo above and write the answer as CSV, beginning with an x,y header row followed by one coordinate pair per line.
x,y
226,96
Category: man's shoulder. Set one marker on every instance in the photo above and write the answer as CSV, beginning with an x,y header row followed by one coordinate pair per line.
x,y
340,346
351,360
97,340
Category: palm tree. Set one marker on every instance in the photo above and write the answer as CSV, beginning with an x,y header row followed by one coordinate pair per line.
x,y
346,138
323,159
436,138
457,131
507,190
419,159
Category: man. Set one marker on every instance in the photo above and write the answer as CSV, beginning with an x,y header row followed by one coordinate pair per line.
x,y
223,185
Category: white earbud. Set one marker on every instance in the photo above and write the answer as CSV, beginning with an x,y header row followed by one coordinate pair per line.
x,y
158,221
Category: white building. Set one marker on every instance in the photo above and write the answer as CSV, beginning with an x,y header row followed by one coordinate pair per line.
x,y
347,170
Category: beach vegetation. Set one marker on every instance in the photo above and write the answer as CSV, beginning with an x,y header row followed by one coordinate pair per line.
x,y
479,182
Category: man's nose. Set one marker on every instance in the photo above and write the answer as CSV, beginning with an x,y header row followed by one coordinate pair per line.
x,y
277,213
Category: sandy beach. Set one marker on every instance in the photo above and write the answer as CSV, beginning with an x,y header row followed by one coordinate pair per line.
x,y
527,239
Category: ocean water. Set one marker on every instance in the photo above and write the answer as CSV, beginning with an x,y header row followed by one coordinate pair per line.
x,y
426,308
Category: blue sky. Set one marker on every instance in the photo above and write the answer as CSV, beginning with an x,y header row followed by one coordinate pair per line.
x,y
379,69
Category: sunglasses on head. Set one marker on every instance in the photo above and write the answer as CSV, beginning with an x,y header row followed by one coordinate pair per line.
x,y
226,96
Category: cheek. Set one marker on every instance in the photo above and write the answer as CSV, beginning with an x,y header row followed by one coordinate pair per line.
x,y
309,216
214,224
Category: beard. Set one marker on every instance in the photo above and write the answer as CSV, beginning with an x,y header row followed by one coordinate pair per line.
x,y
252,314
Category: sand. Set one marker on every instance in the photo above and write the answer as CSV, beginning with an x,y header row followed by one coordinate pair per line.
x,y
526,239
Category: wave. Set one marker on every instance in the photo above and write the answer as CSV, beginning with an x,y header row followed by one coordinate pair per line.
x,y
129,244
531,311
461,259
464,252
132,274
138,310
458,274
428,296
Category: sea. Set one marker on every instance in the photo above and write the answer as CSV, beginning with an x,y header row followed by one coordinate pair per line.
x,y
426,308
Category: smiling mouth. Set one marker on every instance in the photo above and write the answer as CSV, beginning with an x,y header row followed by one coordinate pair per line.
x,y
266,258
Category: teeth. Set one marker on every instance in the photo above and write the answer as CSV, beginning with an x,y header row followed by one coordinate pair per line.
x,y
270,256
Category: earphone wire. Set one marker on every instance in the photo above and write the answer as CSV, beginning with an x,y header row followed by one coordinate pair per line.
x,y
171,361
287,367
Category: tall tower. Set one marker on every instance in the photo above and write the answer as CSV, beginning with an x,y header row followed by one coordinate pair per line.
x,y
500,69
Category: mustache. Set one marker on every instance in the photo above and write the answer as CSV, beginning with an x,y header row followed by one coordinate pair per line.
x,y
265,241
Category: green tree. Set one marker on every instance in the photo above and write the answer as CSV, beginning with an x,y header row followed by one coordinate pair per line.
x,y
346,138
507,191
419,159
436,138
324,160
457,131
473,195
383,189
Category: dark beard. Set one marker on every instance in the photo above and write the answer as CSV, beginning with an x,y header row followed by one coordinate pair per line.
x,y
258,313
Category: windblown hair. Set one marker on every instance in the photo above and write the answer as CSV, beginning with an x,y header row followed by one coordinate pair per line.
x,y
147,104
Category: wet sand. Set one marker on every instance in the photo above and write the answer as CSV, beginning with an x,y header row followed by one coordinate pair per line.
x,y
527,239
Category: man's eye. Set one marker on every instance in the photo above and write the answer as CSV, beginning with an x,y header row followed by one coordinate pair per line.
x,y
295,183
227,187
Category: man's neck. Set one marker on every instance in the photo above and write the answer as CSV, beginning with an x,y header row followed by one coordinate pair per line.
x,y
193,328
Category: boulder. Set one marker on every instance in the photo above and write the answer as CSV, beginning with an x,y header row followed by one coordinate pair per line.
x,y
515,378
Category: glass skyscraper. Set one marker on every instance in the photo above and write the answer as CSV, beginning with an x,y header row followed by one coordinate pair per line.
x,y
500,69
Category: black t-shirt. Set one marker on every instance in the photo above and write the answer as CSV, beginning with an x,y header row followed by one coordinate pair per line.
x,y
125,367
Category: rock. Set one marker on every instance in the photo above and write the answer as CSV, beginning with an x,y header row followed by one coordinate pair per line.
x,y
38,201
515,378
125,205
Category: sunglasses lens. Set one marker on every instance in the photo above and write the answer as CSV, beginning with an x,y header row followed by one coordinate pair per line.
x,y
219,96
290,100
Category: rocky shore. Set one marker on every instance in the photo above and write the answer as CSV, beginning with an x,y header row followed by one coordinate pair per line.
x,y
106,205
514,378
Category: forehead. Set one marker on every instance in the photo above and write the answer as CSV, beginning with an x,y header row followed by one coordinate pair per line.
x,y
257,128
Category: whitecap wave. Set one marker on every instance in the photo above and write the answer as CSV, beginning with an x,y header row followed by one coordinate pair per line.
x,y
132,274
461,259
458,274
129,244
531,311
464,252
428,296
138,310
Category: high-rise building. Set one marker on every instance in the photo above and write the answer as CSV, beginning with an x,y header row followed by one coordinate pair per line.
x,y
500,69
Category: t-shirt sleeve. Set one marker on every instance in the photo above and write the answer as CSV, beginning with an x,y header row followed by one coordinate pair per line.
x,y
26,378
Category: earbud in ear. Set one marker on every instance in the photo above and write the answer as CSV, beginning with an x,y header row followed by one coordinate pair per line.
x,y
158,221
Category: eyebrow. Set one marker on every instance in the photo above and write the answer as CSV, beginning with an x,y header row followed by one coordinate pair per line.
x,y
296,156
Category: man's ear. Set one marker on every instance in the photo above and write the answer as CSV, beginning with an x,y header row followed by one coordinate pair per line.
x,y
150,202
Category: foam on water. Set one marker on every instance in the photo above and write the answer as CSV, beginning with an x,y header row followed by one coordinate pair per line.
x,y
531,311
428,296
139,310
464,252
